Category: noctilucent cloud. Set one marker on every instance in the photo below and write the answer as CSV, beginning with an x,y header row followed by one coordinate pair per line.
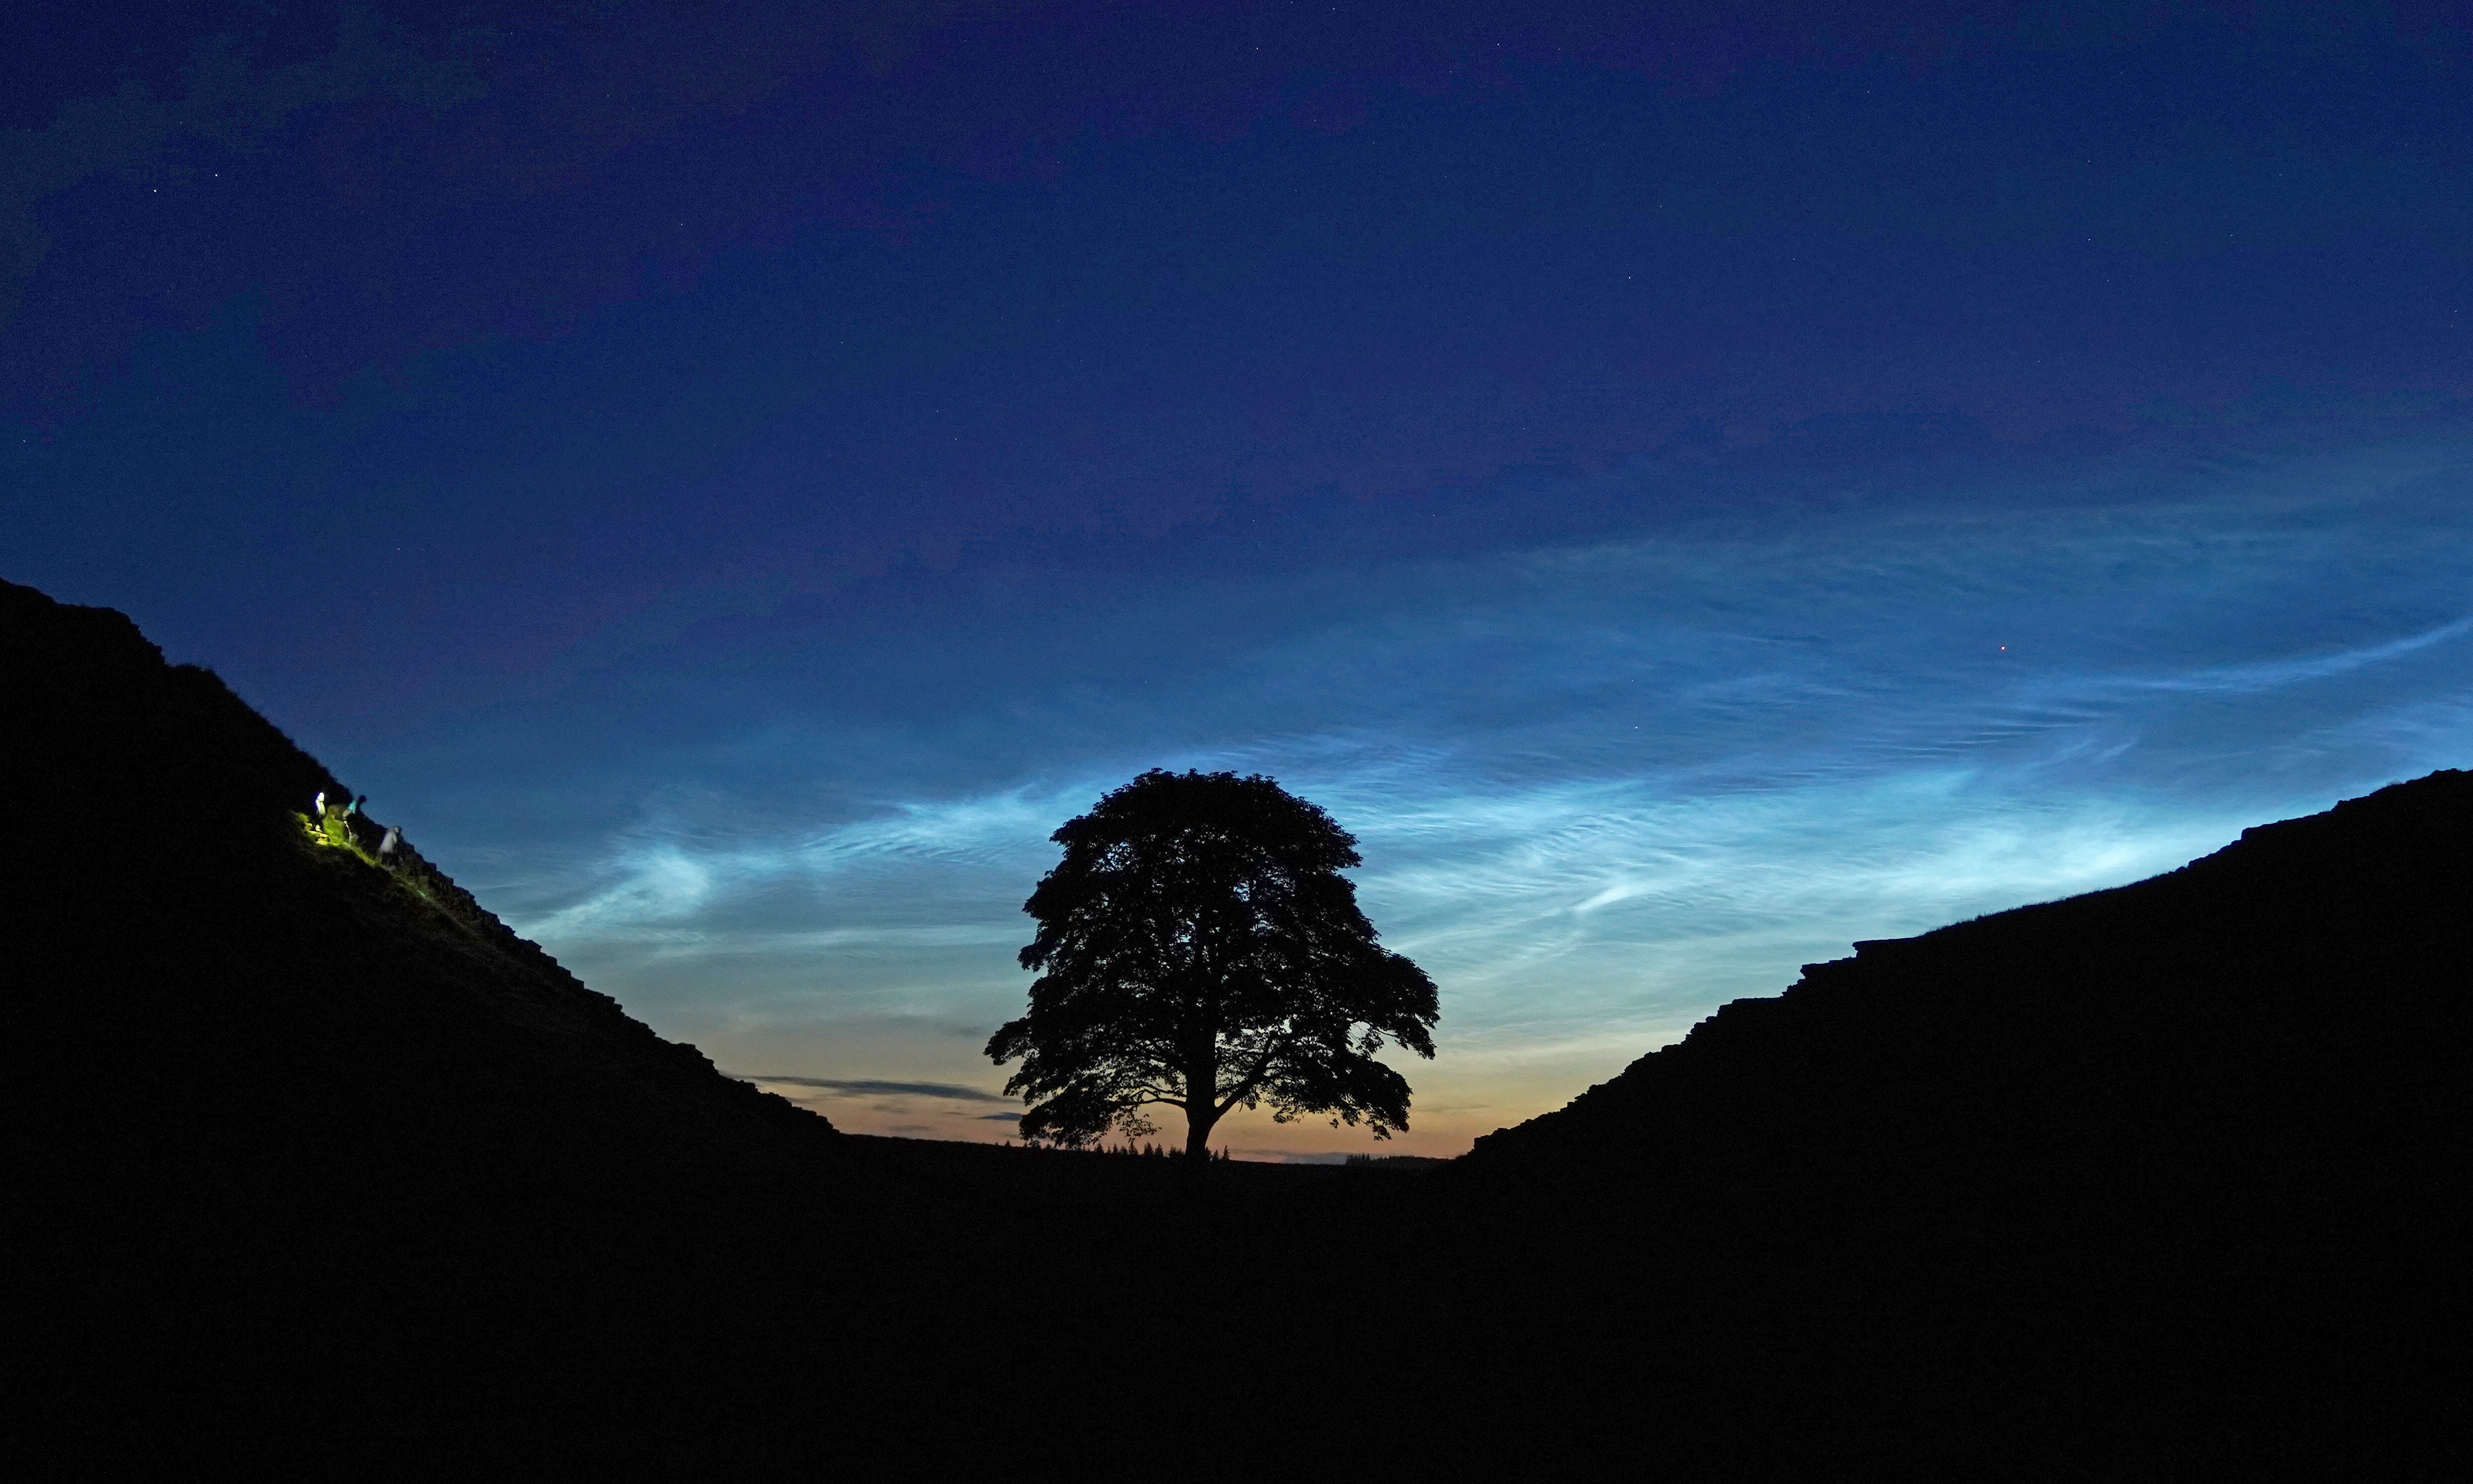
x,y
1687,497
1600,788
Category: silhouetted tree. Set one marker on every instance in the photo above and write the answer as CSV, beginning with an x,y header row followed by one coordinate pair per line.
x,y
1200,950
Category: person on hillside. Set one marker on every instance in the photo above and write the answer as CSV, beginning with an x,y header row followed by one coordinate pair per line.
x,y
387,847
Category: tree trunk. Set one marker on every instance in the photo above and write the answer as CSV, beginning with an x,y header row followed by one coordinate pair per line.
x,y
1201,1095
1197,1135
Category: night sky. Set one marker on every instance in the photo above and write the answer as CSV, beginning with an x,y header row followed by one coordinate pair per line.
x,y
729,479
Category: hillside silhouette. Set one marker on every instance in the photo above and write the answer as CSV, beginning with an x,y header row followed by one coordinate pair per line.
x,y
262,1088
2172,1170
313,1163
186,921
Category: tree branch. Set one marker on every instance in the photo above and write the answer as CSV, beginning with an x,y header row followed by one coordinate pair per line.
x,y
1254,1078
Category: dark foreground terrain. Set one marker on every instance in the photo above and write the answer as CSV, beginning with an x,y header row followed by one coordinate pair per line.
x,y
313,1164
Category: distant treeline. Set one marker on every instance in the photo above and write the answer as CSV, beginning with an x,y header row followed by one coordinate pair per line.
x,y
1143,1150
1154,1151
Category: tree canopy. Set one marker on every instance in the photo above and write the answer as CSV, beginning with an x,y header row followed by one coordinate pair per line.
x,y
1198,949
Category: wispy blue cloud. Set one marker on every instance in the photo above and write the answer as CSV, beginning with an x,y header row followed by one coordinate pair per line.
x,y
1600,789
2274,675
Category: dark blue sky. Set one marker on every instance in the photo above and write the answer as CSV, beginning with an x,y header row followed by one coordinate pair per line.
x,y
731,478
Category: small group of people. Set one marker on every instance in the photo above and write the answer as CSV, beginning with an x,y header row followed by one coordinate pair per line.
x,y
337,823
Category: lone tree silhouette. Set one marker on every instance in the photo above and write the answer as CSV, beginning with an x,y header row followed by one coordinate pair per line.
x,y
1200,950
